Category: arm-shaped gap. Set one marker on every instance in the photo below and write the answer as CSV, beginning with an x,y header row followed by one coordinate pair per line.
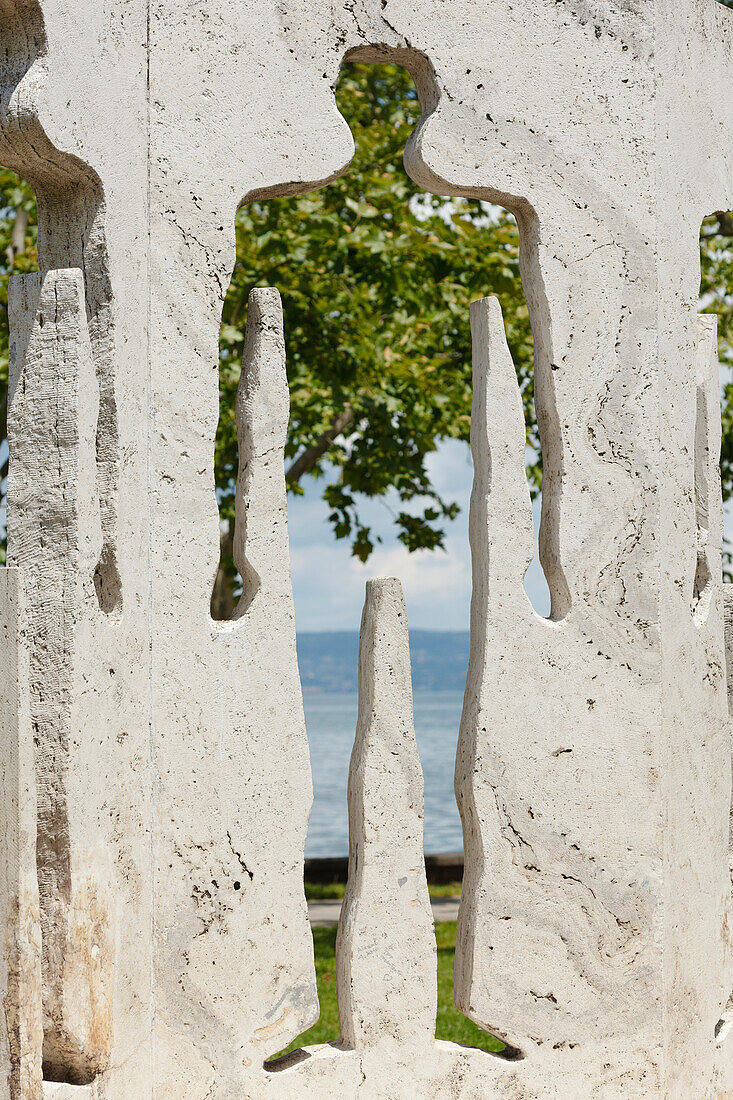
x,y
260,545
708,497
546,412
501,521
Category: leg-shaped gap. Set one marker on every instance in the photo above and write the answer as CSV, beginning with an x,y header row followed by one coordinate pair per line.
x,y
386,914
70,233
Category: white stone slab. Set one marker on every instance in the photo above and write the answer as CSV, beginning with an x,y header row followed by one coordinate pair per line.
x,y
606,130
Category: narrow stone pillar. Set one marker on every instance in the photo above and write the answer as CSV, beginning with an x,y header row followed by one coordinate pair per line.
x,y
386,955
54,538
21,1029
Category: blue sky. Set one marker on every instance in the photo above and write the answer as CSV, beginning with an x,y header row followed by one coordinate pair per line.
x,y
328,583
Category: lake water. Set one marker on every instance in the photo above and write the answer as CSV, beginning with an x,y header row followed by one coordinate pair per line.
x,y
331,721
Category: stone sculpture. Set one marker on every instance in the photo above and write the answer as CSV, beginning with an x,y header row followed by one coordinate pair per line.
x,y
155,781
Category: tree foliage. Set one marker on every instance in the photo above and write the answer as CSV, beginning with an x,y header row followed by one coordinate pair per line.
x,y
376,280
17,254
716,292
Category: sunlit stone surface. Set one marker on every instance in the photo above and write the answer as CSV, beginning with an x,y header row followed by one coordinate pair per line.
x,y
155,924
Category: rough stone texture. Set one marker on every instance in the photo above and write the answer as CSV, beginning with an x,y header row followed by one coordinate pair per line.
x,y
172,772
564,949
54,537
21,1028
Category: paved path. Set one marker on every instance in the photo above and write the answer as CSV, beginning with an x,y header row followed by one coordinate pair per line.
x,y
322,913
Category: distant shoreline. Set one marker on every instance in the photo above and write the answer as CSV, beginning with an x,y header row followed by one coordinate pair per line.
x,y
328,660
314,689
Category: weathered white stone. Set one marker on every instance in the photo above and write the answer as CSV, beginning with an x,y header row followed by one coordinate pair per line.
x,y
561,948
21,1027
172,759
54,538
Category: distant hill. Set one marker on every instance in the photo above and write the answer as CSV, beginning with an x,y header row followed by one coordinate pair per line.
x,y
328,661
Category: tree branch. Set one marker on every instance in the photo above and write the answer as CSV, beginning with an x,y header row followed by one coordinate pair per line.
x,y
725,223
239,309
4,435
222,598
17,237
305,462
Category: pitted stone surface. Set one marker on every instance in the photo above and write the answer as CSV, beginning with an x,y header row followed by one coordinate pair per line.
x,y
594,768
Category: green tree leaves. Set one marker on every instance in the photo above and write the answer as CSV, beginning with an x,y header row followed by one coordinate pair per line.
x,y
376,280
17,254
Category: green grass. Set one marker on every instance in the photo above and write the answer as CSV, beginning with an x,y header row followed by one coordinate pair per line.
x,y
451,1024
323,891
